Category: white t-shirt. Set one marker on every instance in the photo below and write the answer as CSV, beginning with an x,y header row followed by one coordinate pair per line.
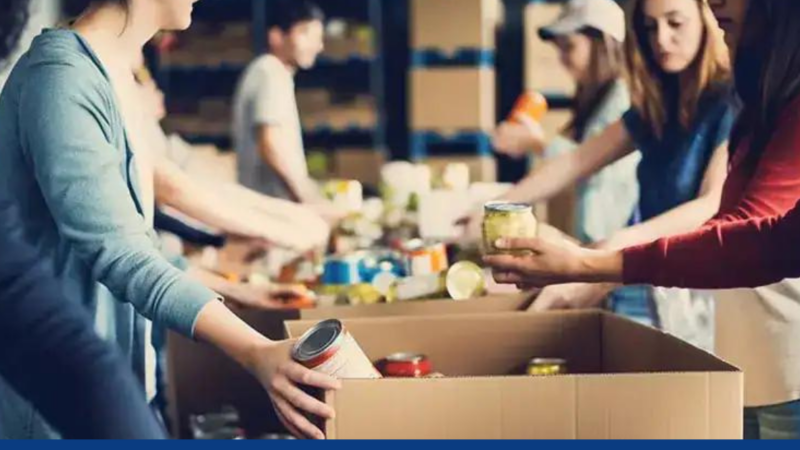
x,y
140,129
266,96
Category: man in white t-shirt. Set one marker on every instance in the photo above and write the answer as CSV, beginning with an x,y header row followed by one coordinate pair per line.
x,y
266,126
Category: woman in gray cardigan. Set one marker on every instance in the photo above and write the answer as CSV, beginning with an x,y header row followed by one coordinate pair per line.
x,y
67,163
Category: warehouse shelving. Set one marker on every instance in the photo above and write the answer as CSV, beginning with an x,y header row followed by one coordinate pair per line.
x,y
354,73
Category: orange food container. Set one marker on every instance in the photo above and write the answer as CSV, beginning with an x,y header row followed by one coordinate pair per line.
x,y
531,106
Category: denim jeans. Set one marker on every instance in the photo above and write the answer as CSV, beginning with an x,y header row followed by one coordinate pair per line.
x,y
773,422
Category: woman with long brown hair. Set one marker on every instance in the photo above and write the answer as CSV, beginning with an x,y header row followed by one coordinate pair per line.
x,y
746,244
679,76
589,36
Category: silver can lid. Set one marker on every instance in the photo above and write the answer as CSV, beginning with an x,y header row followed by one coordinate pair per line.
x,y
507,207
317,340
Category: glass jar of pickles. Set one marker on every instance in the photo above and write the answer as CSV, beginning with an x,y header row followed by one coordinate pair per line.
x,y
507,220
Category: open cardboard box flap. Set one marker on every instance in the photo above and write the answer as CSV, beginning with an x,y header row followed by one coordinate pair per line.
x,y
627,381
223,382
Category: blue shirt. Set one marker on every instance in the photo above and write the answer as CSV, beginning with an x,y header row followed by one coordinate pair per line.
x,y
66,163
673,166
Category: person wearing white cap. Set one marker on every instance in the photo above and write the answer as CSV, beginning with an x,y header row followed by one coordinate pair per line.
x,y
589,36
679,76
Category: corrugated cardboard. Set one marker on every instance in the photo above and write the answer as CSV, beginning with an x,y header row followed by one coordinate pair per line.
x,y
627,381
452,99
358,164
202,379
445,25
543,69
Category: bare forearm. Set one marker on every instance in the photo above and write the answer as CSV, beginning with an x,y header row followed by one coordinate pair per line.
x,y
555,174
220,327
683,219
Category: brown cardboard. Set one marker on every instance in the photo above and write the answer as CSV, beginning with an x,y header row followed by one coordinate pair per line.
x,y
440,24
627,381
453,99
481,168
543,69
358,164
202,379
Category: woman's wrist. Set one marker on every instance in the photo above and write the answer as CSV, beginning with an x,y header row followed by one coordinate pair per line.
x,y
600,266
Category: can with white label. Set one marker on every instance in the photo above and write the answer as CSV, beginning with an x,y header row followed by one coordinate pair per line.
x,y
330,349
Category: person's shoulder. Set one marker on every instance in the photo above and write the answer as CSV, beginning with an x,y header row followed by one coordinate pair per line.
x,y
59,61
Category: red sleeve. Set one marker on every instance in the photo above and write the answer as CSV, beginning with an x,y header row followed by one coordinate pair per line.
x,y
733,248
739,254
773,188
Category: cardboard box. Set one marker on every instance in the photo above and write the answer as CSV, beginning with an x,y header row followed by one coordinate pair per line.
x,y
451,25
203,380
452,99
543,69
358,164
481,168
628,381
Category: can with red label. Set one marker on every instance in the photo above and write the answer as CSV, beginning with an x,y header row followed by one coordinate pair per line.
x,y
407,365
330,349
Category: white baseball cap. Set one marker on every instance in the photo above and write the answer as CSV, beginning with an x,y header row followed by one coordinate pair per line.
x,y
602,15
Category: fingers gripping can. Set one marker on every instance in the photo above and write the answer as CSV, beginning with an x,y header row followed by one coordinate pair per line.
x,y
507,220
330,349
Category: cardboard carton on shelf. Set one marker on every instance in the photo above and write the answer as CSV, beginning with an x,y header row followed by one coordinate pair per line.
x,y
543,68
626,381
450,26
453,98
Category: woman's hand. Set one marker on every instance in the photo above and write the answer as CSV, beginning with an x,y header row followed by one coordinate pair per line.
x,y
273,366
518,140
553,263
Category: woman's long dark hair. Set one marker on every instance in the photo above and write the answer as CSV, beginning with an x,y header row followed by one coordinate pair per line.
x,y
13,18
767,71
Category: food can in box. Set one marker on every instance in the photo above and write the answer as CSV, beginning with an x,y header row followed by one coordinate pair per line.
x,y
407,365
547,366
330,349
507,220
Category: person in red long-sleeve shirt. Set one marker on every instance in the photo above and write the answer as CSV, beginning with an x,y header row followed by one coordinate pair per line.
x,y
751,242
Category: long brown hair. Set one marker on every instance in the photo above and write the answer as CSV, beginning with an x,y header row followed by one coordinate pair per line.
x,y
606,67
767,71
651,87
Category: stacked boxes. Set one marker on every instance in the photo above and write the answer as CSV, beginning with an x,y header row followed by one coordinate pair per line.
x,y
545,73
452,83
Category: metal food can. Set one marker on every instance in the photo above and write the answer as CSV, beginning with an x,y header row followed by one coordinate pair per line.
x,y
341,272
330,349
547,366
507,220
529,106
426,259
363,294
465,280
407,365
